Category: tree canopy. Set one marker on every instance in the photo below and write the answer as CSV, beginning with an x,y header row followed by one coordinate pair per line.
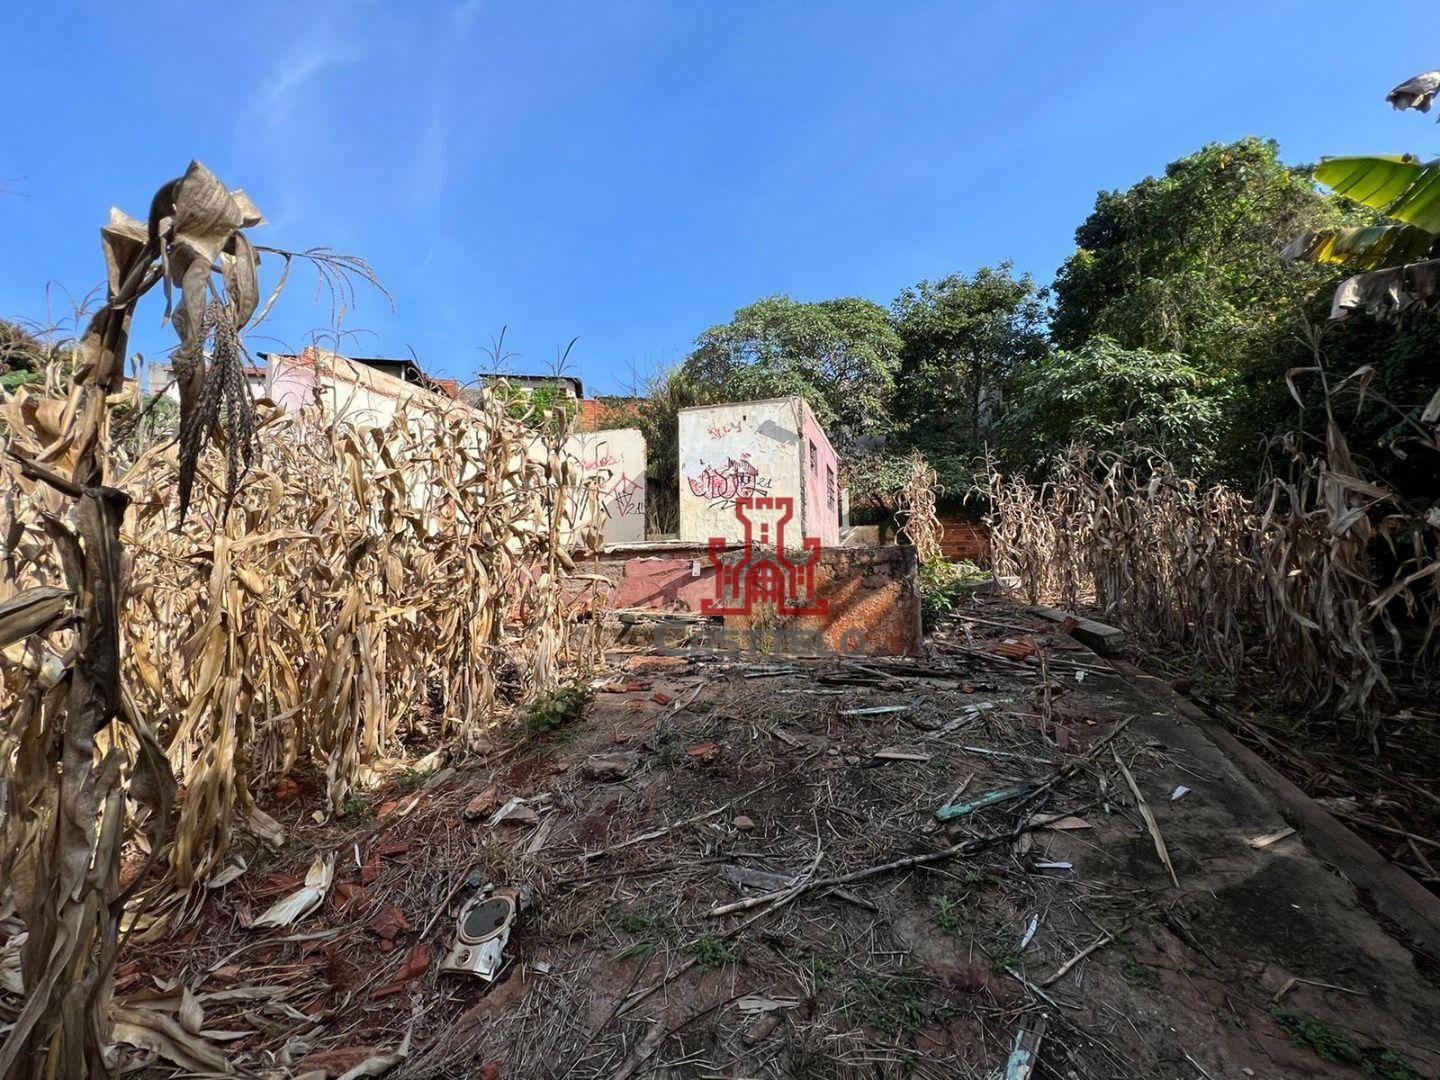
x,y
1111,397
963,342
1191,261
840,355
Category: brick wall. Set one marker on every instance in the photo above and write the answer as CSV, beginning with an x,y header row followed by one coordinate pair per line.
x,y
964,539
872,592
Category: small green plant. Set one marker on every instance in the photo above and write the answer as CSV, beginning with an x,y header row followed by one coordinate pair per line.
x,y
410,779
822,971
945,917
1332,1043
634,923
712,952
890,1005
1005,962
13,380
355,807
640,949
1329,1043
561,706
942,584
1388,1065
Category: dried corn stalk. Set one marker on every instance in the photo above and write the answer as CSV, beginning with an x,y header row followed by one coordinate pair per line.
x,y
371,590
305,607
918,521
1282,585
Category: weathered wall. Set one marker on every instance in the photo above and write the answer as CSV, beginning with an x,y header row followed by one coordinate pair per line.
x,y
616,457
964,539
352,392
871,595
734,451
821,468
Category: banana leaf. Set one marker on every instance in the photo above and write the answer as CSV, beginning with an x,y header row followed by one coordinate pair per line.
x,y
1401,187
1391,292
1364,248
1416,93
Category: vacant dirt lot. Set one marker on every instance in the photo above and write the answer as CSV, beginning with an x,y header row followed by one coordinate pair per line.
x,y
692,784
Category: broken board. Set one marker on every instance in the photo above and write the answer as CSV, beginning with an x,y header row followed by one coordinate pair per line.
x,y
1104,639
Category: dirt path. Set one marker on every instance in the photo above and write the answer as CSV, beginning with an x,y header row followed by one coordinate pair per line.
x,y
740,779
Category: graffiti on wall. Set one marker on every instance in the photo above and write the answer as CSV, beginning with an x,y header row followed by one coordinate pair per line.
x,y
738,479
613,466
627,495
719,431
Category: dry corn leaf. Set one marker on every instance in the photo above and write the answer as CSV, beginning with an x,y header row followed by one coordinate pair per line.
x,y
304,900
1150,823
160,1034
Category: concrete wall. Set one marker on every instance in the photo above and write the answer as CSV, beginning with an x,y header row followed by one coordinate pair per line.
x,y
352,392
822,481
759,449
616,457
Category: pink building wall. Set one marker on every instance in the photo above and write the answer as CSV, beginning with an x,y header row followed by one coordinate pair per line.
x,y
820,490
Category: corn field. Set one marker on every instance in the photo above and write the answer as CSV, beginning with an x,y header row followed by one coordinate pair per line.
x,y
1286,585
268,592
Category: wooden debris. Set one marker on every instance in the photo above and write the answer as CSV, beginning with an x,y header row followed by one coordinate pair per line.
x,y
1026,1054
900,755
950,813
1260,843
759,879
1104,639
1063,969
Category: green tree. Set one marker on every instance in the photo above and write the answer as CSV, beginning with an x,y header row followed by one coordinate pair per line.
x,y
963,341
1191,261
840,355
1111,397
1399,283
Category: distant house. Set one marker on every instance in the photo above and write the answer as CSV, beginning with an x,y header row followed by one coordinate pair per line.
x,y
364,391
404,369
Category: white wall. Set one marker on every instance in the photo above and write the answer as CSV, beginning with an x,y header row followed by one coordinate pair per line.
x,y
348,391
617,459
730,451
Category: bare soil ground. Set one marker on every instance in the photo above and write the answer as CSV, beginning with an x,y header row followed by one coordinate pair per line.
x,y
747,774
1386,788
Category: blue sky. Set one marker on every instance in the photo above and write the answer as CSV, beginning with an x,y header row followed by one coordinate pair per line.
x,y
630,173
